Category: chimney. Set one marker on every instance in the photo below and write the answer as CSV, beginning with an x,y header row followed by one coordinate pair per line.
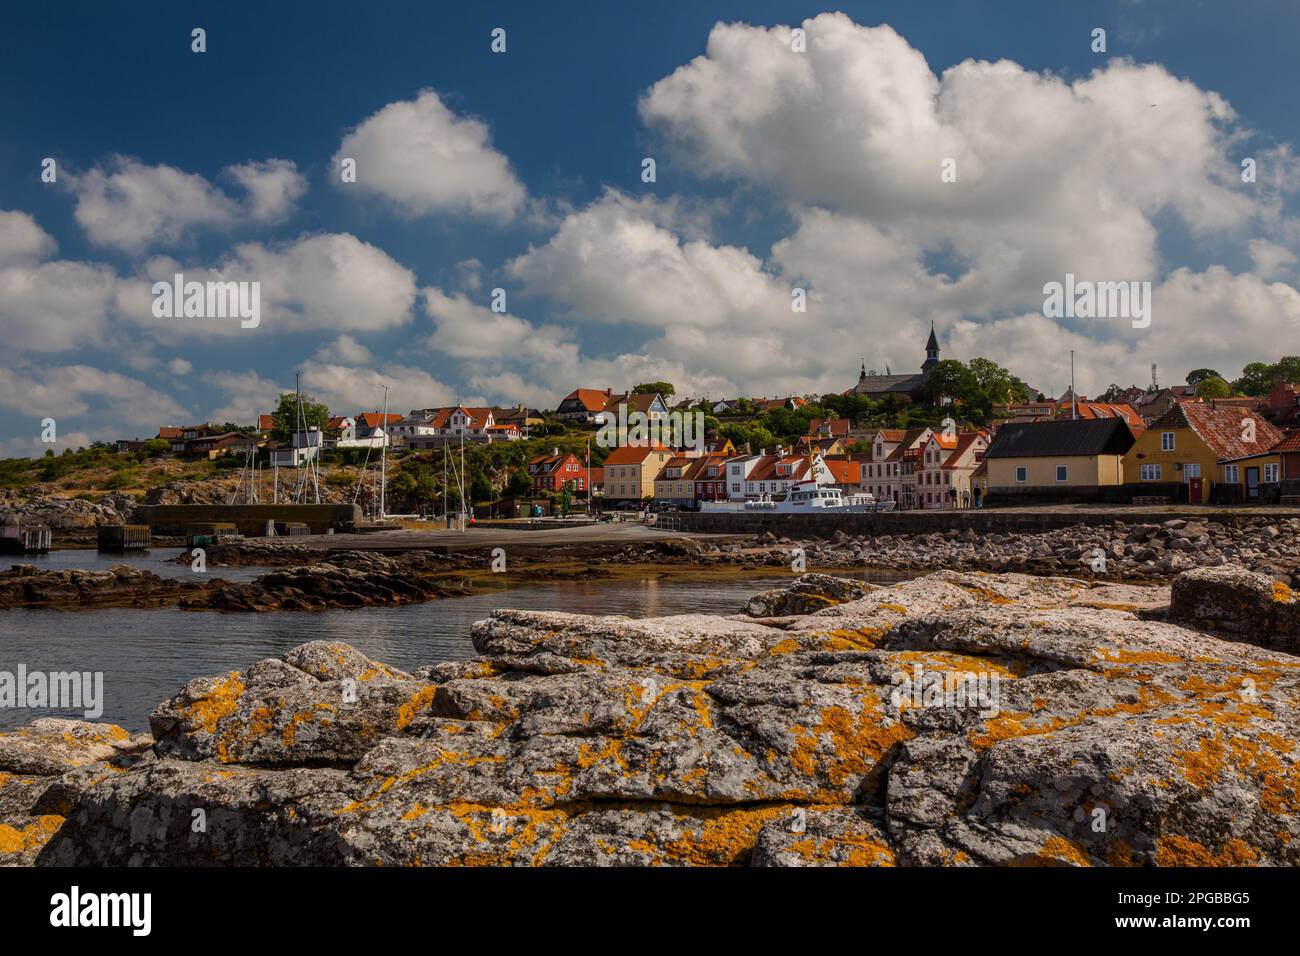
x,y
555,452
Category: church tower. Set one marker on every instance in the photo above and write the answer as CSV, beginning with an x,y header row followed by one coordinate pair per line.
x,y
931,352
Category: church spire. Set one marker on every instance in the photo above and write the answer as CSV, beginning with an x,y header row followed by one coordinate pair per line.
x,y
931,351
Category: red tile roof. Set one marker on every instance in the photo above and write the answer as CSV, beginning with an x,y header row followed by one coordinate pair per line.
x,y
639,401
632,454
1289,442
375,419
592,399
845,471
477,416
837,427
964,441
1221,429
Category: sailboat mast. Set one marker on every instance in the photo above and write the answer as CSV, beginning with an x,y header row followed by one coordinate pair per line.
x,y
383,455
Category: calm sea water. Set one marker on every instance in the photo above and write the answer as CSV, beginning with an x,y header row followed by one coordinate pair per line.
x,y
146,655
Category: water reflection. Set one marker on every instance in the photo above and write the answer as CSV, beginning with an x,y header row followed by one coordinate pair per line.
x,y
146,655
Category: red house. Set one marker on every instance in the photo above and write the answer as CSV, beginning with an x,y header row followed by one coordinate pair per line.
x,y
552,472
710,477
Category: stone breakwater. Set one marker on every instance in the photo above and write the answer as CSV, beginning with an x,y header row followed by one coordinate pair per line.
x,y
1131,551
348,579
774,738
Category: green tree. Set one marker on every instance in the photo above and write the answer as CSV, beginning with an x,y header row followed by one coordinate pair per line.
x,y
1112,394
996,385
1213,387
287,418
480,488
665,389
1257,379
1287,369
949,380
1199,375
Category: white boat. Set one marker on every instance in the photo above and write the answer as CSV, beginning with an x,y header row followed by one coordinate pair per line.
x,y
808,496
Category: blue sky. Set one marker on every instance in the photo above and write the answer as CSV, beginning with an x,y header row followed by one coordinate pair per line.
x,y
774,170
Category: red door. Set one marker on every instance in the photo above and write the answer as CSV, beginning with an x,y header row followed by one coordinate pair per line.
x,y
1194,490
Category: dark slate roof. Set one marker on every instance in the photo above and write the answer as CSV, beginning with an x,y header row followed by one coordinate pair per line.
x,y
887,383
933,344
1062,438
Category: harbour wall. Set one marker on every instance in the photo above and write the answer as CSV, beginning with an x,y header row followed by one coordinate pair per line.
x,y
928,522
249,519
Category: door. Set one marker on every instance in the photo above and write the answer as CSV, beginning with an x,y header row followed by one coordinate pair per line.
x,y
1252,483
1194,490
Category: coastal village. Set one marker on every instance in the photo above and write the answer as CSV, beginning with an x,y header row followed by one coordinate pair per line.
x,y
912,444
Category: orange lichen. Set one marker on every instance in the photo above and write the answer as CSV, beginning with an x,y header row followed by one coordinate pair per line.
x,y
843,745
1175,850
1120,854
719,836
421,700
1123,656
842,639
992,597
35,834
1258,759
1059,848
206,711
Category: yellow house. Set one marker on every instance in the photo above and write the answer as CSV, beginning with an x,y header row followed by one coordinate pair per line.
x,y
674,486
630,472
1206,445
1069,455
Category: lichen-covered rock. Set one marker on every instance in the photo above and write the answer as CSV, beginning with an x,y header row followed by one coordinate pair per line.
x,y
959,719
1242,604
838,836
808,593
323,702
34,760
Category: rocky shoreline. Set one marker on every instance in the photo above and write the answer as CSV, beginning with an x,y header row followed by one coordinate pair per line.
x,y
1127,725
1129,550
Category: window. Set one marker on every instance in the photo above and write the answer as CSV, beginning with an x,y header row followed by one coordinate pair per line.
x,y
1166,441
1191,470
1062,473
1230,474
1150,472
1270,473
1022,473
